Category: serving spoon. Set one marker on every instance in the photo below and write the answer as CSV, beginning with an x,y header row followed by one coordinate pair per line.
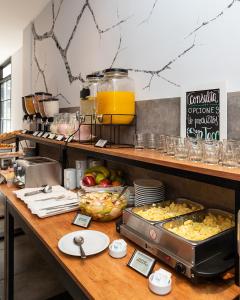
x,y
45,189
79,240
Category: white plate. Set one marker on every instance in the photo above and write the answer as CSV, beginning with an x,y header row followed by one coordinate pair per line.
x,y
148,183
94,242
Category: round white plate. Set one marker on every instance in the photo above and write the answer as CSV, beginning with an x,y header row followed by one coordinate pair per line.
x,y
94,242
148,183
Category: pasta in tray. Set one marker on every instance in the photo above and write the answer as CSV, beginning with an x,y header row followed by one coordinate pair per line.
x,y
158,213
198,231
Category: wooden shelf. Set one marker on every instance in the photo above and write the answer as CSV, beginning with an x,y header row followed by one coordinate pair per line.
x,y
148,157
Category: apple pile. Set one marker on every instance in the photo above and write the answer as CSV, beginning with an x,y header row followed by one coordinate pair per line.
x,y
103,177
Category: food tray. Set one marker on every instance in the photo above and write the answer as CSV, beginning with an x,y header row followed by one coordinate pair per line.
x,y
196,251
196,217
164,204
146,228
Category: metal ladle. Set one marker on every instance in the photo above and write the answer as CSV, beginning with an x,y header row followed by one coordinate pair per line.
x,y
79,240
46,189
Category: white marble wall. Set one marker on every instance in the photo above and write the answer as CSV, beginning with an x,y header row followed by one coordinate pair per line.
x,y
165,45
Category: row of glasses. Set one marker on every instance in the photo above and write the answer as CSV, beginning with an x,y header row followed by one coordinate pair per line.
x,y
226,152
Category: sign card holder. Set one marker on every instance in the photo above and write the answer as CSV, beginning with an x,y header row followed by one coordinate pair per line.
x,y
46,134
59,137
40,134
101,143
52,136
81,220
141,263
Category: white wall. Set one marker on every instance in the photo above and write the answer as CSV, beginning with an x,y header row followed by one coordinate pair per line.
x,y
27,61
188,42
16,101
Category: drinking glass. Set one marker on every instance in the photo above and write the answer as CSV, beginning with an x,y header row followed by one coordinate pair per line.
x,y
170,145
140,141
211,151
151,141
181,148
161,144
195,151
229,153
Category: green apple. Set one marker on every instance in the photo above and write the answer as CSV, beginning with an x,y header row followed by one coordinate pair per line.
x,y
99,177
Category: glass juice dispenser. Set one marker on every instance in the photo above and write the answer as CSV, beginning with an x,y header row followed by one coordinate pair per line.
x,y
115,97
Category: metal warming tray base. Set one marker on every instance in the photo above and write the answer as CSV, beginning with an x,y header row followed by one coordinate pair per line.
x,y
207,258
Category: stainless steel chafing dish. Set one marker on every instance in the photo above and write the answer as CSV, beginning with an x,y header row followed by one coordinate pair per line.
x,y
207,258
146,227
195,251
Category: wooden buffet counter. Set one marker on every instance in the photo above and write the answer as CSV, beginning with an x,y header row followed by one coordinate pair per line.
x,y
100,276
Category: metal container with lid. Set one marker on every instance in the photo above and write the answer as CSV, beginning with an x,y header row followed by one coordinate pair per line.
x,y
88,94
116,97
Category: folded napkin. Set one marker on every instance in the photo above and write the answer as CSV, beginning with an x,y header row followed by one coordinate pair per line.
x,y
43,205
56,191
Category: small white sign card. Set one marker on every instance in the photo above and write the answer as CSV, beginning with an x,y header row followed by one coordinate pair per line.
x,y
141,262
101,143
204,111
52,136
46,134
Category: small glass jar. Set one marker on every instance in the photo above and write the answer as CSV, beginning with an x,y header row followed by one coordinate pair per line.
x,y
116,97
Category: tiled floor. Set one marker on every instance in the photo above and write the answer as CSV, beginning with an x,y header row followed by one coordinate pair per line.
x,y
34,280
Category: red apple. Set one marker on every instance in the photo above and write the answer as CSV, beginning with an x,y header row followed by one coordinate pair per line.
x,y
105,182
88,180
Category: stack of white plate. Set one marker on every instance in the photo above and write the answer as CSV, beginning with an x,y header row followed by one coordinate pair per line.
x,y
148,191
130,195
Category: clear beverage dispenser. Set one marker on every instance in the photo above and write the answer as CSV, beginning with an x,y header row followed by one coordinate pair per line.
x,y
88,96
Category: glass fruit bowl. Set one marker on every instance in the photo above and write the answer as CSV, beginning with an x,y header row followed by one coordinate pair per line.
x,y
102,206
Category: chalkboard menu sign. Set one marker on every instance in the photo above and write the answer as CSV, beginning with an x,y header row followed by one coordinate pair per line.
x,y
203,114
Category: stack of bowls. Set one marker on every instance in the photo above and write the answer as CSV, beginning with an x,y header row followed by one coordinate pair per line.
x,y
148,191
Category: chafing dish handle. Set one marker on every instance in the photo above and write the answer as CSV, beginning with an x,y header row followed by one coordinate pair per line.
x,y
118,224
214,266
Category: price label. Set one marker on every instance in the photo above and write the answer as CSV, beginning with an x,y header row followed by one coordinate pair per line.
x,y
142,263
52,136
69,139
59,137
82,220
101,143
35,133
40,134
46,134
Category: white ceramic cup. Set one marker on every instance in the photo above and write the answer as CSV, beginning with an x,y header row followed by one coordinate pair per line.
x,y
70,181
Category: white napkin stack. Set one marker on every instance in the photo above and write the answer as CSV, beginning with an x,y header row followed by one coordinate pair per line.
x,y
44,205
